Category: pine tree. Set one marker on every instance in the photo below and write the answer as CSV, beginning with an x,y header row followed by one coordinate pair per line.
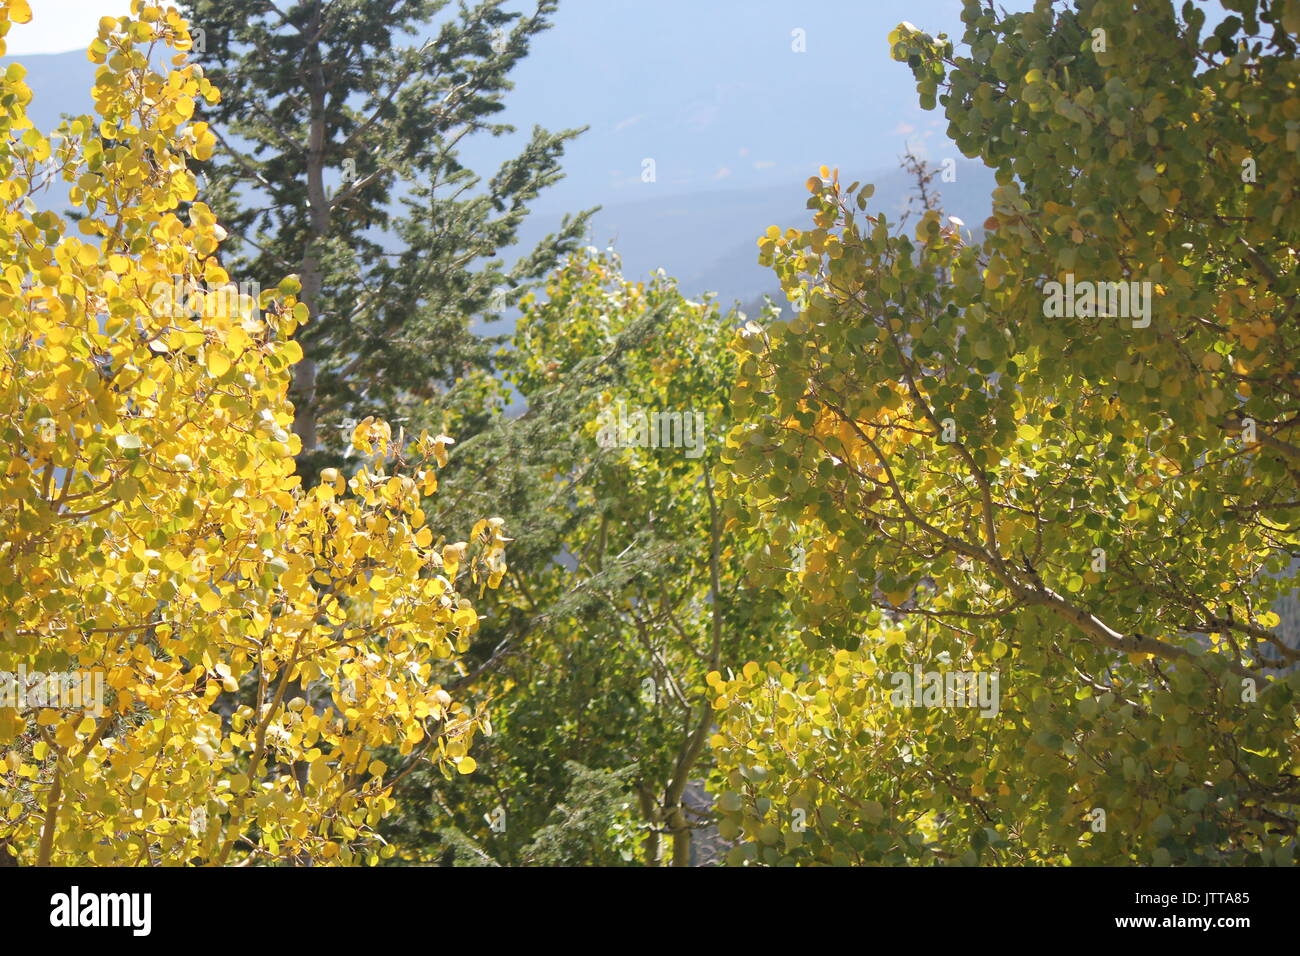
x,y
625,589
337,160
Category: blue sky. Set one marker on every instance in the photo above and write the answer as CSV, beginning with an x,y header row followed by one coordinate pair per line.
x,y
715,93
712,90
61,25
737,102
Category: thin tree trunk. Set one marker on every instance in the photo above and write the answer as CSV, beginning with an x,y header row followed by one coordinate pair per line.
x,y
693,745
304,374
650,813
52,807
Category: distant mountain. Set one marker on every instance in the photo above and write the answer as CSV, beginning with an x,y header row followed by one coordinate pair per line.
x,y
60,83
703,237
708,240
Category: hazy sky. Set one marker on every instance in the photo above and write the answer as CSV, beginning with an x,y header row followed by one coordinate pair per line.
x,y
61,25
732,104
719,93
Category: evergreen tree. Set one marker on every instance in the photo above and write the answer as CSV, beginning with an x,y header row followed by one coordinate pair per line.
x,y
338,161
624,590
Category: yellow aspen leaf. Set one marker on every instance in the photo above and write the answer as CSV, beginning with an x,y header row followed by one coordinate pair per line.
x,y
210,601
184,557
218,362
